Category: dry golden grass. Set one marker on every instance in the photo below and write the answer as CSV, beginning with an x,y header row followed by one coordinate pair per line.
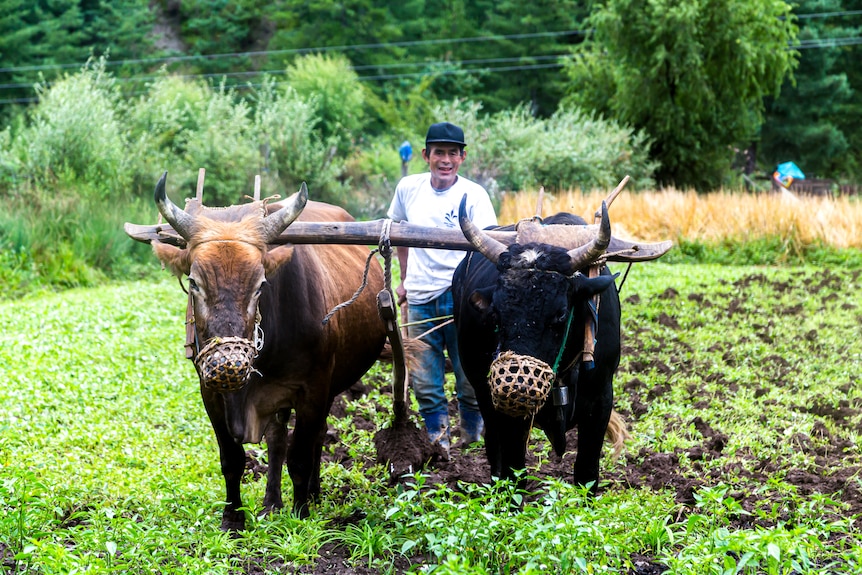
x,y
714,217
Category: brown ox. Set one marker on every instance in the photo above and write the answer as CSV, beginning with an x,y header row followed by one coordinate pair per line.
x,y
243,290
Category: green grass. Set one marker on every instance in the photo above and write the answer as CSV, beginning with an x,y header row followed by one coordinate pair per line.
x,y
65,239
108,463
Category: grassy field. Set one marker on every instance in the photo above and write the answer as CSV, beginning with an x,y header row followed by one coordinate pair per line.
x,y
741,386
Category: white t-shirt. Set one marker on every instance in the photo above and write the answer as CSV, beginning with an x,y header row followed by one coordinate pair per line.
x,y
429,271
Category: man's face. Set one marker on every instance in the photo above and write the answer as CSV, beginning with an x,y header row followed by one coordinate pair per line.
x,y
443,161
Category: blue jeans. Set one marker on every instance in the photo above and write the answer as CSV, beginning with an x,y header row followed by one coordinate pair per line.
x,y
429,375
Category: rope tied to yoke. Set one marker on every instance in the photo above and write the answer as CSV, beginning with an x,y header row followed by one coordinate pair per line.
x,y
358,292
384,248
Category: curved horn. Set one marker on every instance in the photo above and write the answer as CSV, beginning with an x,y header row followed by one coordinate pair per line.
x,y
277,222
587,254
182,222
484,244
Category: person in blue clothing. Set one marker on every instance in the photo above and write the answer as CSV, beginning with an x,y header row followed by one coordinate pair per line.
x,y
432,199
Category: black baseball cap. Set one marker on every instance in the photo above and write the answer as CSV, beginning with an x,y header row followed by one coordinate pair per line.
x,y
444,132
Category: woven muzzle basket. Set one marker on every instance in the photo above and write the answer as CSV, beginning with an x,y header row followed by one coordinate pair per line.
x,y
519,384
225,363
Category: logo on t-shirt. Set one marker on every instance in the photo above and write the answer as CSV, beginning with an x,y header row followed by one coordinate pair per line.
x,y
451,219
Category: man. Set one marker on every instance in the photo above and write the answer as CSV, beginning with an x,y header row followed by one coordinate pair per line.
x,y
432,199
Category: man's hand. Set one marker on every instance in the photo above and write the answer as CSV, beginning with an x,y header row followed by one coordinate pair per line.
x,y
401,293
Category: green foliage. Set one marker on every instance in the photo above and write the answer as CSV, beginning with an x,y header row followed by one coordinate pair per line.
x,y
765,251
62,241
293,149
333,86
74,135
372,173
225,145
430,29
540,88
407,111
513,150
272,132
15,35
60,32
807,122
692,75
300,25
181,126
221,26
119,29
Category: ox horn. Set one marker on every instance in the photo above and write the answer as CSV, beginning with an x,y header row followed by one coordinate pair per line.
x,y
277,222
484,244
588,253
181,221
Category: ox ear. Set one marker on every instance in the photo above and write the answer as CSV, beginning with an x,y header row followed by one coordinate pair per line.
x,y
174,258
588,287
481,299
276,257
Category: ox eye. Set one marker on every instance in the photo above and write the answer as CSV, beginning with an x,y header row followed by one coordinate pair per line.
x,y
260,288
561,317
193,285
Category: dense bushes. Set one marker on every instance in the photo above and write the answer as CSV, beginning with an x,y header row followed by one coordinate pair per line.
x,y
513,150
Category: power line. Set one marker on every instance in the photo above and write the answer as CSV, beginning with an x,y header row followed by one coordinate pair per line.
x,y
492,69
354,68
829,14
357,47
349,47
830,43
820,43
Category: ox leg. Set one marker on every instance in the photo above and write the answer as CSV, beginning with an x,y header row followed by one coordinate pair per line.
x,y
232,456
592,424
303,457
276,448
493,449
505,444
514,435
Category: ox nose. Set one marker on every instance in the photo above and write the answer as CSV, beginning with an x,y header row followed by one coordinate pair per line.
x,y
226,364
519,384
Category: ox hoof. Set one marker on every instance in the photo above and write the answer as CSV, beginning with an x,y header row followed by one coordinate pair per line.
x,y
301,511
233,521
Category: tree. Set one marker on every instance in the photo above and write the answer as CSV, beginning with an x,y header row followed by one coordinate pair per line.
x,y
807,122
692,74
534,75
359,29
333,86
15,52
222,27
848,117
120,28
61,38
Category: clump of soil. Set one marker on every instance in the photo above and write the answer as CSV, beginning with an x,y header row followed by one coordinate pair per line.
x,y
404,448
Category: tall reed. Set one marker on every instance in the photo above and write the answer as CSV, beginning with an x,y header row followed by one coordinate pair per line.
x,y
714,218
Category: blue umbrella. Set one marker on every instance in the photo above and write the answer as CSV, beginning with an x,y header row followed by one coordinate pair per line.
x,y
790,169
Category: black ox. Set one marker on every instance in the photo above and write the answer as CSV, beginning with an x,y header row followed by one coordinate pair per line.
x,y
519,304
262,351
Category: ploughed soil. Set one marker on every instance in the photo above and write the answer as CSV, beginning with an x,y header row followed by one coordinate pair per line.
x,y
835,462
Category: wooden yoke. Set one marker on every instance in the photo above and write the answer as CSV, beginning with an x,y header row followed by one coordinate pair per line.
x,y
589,329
